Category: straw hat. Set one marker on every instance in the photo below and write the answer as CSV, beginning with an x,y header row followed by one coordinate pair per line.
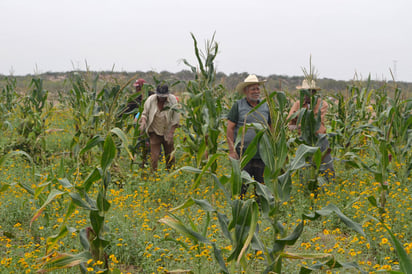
x,y
250,80
307,85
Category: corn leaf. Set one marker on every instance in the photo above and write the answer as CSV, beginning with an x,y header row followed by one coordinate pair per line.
x,y
124,139
109,152
180,227
53,194
63,260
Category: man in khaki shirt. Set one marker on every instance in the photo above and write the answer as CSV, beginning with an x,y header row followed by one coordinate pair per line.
x,y
159,120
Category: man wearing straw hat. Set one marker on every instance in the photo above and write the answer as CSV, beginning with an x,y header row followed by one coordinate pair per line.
x,y
241,114
320,105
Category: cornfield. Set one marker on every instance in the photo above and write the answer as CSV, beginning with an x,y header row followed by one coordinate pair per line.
x,y
74,197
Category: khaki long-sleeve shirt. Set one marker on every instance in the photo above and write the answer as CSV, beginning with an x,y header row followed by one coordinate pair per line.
x,y
150,109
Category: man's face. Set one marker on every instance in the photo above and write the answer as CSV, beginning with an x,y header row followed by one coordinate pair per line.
x,y
161,99
253,92
311,92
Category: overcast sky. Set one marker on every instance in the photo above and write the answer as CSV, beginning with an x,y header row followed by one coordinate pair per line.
x,y
261,36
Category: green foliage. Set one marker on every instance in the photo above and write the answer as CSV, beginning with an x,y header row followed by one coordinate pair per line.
x,y
78,196
203,108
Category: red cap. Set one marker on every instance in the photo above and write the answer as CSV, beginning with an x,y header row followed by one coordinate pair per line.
x,y
139,82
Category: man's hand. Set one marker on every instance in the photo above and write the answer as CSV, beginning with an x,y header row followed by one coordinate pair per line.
x,y
169,136
142,126
292,127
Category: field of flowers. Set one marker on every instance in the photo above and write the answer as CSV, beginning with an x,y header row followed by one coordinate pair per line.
x,y
74,198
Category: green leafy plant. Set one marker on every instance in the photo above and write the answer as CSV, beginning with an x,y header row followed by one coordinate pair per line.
x,y
203,109
32,112
92,238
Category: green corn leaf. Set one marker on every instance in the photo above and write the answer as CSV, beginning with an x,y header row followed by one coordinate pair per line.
x,y
332,263
109,152
253,224
267,151
180,227
65,183
235,178
14,153
236,209
77,200
52,195
205,169
96,140
124,139
330,209
244,228
38,191
302,153
27,188
317,158
188,203
53,240
102,204
63,260
205,205
69,212
265,197
94,176
292,238
84,239
372,201
252,148
284,186
224,222
218,256
97,221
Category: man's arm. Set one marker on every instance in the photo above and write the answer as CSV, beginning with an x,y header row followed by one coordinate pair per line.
x,y
230,135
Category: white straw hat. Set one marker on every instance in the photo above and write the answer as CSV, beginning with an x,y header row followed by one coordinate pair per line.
x,y
306,85
250,80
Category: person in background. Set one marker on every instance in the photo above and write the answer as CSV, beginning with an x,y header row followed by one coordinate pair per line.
x,y
250,87
159,120
138,99
321,106
134,106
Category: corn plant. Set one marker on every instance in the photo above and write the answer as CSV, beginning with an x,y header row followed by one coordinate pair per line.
x,y
93,237
32,112
8,99
203,109
389,142
3,159
8,95
396,123
82,101
353,112
94,111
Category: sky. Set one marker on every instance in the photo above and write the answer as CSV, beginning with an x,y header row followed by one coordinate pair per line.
x,y
345,38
